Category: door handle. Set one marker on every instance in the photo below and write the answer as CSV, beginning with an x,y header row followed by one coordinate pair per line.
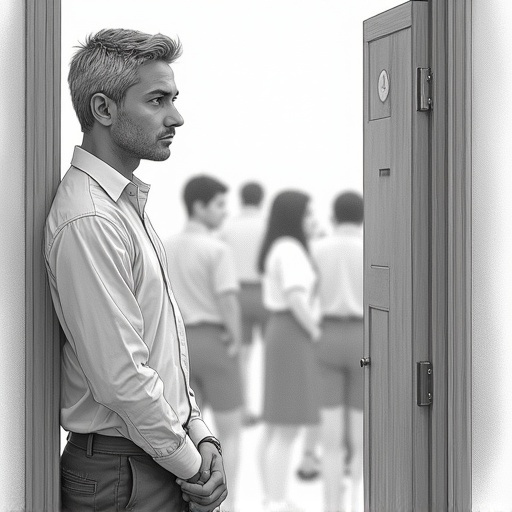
x,y
365,361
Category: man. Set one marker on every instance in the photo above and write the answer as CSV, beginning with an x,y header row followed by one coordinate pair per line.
x,y
244,234
203,274
136,432
339,261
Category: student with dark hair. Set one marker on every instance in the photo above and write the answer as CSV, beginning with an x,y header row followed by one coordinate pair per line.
x,y
289,293
136,432
244,233
339,260
203,275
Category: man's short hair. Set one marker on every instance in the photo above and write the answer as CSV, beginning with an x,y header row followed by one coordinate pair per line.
x,y
108,62
251,193
348,207
201,188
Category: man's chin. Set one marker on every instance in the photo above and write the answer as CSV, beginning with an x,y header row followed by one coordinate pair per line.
x,y
159,156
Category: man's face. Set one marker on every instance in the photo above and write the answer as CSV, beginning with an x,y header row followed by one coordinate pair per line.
x,y
213,213
145,123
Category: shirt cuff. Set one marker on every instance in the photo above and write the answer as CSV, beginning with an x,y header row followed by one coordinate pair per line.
x,y
198,430
183,462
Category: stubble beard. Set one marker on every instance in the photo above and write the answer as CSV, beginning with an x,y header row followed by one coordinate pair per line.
x,y
135,142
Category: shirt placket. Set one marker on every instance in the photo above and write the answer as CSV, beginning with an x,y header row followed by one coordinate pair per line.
x,y
139,200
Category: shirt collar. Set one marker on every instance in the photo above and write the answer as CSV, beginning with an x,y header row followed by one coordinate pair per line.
x,y
249,210
110,180
194,226
348,228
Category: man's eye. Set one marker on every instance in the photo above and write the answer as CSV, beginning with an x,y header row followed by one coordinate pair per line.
x,y
157,101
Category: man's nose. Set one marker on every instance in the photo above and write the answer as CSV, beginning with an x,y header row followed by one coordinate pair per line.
x,y
173,118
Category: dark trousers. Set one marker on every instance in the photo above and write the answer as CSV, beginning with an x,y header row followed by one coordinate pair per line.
x,y
103,473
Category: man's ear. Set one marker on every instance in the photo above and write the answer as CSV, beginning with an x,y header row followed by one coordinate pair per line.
x,y
103,108
197,208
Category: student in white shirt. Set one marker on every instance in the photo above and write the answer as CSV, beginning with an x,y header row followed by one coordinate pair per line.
x,y
289,293
339,260
244,234
203,275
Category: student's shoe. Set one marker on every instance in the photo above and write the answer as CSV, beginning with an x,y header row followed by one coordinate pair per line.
x,y
250,419
310,467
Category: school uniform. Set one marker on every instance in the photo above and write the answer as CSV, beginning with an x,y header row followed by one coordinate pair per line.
x,y
201,267
339,261
291,379
244,234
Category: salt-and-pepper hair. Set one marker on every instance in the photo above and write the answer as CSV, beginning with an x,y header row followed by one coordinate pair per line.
x,y
108,62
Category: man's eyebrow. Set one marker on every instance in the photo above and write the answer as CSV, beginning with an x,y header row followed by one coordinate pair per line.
x,y
162,92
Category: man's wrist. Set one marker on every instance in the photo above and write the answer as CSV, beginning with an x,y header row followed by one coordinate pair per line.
x,y
212,440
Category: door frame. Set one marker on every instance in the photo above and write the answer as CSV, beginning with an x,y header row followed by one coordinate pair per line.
x,y
451,253
451,299
42,332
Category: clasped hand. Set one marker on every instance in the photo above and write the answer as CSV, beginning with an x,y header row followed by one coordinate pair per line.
x,y
206,490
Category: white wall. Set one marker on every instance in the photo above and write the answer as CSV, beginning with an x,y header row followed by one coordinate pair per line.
x,y
492,256
12,255
269,90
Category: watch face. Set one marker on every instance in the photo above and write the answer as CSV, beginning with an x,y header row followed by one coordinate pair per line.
x,y
383,85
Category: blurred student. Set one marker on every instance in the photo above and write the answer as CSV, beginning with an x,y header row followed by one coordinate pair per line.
x,y
202,271
339,261
244,234
289,293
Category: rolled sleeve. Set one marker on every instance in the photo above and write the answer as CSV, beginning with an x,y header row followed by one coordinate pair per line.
x,y
183,462
198,430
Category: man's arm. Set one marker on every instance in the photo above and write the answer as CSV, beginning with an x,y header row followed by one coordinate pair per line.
x,y
91,278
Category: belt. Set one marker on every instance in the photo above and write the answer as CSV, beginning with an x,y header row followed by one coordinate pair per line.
x,y
98,443
351,318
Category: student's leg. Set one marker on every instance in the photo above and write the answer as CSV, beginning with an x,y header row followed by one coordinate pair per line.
x,y
276,456
356,461
309,467
229,426
333,457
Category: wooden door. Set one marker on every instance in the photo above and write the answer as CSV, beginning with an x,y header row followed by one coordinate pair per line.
x,y
396,272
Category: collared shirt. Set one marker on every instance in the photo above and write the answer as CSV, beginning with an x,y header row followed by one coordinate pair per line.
x,y
244,234
339,260
201,268
124,364
288,267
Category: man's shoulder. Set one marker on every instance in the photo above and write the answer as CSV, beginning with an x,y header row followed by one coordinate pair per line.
x,y
77,196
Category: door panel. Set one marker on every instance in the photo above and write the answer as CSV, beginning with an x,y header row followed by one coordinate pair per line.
x,y
396,142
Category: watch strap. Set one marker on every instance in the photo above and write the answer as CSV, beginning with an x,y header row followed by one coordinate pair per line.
x,y
212,440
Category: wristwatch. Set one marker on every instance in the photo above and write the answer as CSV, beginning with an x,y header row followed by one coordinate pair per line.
x,y
213,440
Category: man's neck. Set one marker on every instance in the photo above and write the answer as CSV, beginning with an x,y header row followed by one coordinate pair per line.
x,y
100,148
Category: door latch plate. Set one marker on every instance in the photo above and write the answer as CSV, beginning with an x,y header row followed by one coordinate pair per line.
x,y
425,383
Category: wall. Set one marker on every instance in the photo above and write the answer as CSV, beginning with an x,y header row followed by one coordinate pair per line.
x,y
268,90
12,259
492,256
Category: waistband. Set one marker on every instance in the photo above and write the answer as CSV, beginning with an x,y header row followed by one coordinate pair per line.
x,y
334,318
98,443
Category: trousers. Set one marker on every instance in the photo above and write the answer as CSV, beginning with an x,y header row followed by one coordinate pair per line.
x,y
109,474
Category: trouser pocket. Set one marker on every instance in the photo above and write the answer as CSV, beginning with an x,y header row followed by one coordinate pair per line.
x,y
153,488
77,491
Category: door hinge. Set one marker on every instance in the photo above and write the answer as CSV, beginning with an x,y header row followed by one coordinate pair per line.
x,y
424,101
425,383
